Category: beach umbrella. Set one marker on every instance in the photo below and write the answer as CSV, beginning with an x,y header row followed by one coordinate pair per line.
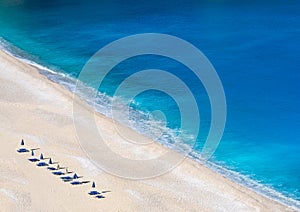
x,y
75,176
33,159
93,192
22,149
58,167
50,161
42,157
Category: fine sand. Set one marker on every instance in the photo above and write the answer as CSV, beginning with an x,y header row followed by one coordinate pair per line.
x,y
40,111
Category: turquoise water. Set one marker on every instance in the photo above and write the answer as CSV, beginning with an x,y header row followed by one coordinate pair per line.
x,y
254,47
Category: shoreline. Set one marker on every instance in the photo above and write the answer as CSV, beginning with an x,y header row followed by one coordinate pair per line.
x,y
192,165
232,175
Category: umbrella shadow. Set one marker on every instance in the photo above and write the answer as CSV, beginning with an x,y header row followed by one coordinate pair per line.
x,y
34,149
103,192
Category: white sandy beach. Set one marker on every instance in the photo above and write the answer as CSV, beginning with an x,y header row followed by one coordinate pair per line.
x,y
40,111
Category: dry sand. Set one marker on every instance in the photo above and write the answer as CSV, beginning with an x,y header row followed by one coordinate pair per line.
x,y
40,111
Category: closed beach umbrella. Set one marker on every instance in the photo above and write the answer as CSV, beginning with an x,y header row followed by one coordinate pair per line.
x,y
75,176
22,149
93,192
33,159
50,163
42,157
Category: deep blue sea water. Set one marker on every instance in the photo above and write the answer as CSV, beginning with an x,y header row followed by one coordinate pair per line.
x,y
253,45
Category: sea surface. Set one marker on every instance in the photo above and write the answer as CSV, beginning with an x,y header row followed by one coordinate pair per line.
x,y
253,45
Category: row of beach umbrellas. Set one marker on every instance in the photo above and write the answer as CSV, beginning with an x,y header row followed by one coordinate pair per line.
x,y
63,172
